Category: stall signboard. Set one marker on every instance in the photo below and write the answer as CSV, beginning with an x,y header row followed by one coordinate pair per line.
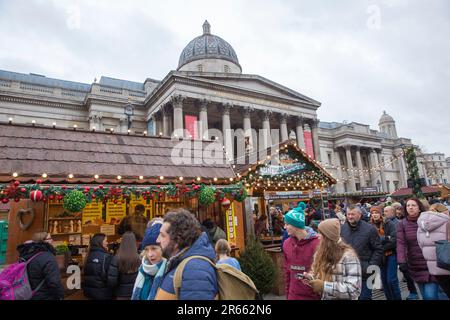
x,y
281,170
92,213
134,201
231,225
369,189
115,212
108,229
274,195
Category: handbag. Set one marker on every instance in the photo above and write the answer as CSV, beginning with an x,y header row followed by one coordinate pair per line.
x,y
443,251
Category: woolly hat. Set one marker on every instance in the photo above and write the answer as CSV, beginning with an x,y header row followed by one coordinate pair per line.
x,y
296,216
331,228
376,208
151,234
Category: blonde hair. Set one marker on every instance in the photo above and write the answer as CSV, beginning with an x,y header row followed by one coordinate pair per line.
x,y
39,236
438,207
223,247
327,255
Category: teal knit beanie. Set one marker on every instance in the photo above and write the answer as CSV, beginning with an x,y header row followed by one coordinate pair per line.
x,y
296,216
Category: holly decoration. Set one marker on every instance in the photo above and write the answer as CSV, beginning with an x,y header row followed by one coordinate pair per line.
x,y
207,196
75,201
240,195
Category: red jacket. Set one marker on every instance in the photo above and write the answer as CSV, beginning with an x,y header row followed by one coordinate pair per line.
x,y
298,258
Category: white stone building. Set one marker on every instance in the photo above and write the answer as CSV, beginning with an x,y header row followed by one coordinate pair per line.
x,y
205,96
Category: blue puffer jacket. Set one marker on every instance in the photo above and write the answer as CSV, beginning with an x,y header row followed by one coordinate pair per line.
x,y
199,281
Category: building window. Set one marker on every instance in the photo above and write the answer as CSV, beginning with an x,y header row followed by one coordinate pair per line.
x,y
200,68
430,182
358,186
396,185
226,68
329,159
445,181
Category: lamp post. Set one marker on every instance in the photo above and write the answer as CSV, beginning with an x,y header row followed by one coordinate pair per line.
x,y
129,111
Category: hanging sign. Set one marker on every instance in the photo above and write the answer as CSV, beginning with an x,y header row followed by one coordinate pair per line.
x,y
115,212
273,195
231,225
92,213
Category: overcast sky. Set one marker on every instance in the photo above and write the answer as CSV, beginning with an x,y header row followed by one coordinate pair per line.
x,y
357,58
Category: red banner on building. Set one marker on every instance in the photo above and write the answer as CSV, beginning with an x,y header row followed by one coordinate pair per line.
x,y
308,143
191,125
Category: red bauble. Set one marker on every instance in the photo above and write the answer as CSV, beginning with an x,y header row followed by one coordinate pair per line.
x,y
100,186
51,197
17,199
60,197
36,195
63,187
47,187
23,190
225,203
93,196
5,200
115,201
16,183
95,189
39,181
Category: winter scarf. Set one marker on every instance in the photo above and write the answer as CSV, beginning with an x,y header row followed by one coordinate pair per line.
x,y
149,279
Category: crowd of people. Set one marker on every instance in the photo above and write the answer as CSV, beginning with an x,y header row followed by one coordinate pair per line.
x,y
358,241
334,256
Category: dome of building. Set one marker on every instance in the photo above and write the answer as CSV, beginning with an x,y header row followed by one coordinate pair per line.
x,y
385,118
210,47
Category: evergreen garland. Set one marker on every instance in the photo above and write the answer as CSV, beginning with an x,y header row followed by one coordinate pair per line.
x,y
413,172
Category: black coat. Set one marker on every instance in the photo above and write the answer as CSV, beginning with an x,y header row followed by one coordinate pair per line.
x,y
390,235
95,280
42,267
122,284
365,241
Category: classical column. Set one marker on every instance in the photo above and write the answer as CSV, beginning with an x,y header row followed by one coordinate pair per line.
x,y
158,124
203,119
165,120
362,181
226,130
266,140
373,163
337,160
402,170
299,133
382,173
177,102
246,112
315,138
283,127
350,174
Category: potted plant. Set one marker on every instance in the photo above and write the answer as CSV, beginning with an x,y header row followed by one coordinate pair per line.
x,y
62,256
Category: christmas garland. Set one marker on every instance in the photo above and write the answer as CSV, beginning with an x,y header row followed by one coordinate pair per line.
x,y
38,192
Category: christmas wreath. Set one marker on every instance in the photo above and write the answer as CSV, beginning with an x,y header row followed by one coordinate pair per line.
x,y
75,201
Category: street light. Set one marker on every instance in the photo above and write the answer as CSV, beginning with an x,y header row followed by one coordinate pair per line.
x,y
129,111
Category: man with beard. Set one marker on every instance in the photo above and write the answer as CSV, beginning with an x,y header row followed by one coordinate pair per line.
x,y
364,239
181,237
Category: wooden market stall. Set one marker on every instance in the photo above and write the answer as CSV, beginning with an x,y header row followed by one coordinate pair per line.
x,y
41,166
285,177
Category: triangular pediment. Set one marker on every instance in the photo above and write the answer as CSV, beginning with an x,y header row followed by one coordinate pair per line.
x,y
253,83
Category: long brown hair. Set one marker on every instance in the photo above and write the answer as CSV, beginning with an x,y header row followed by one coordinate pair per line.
x,y
328,254
128,260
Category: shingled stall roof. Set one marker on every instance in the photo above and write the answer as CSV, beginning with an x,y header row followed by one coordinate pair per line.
x,y
32,151
405,192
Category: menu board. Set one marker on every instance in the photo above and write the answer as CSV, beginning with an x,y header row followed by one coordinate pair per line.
x,y
231,225
92,213
134,201
115,212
